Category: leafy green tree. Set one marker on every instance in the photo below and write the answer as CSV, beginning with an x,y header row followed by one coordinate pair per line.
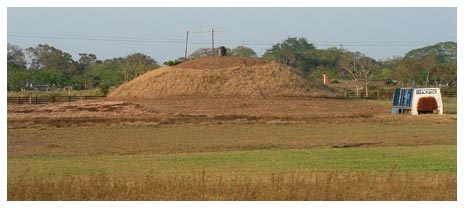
x,y
303,56
429,66
17,79
110,72
383,74
428,62
46,57
137,64
172,62
446,74
51,77
404,71
105,86
242,51
113,72
15,58
445,51
17,75
293,52
322,61
85,63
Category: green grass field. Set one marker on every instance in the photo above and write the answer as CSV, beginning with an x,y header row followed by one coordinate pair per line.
x,y
415,159
382,160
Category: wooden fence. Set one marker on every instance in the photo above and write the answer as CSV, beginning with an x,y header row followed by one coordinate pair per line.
x,y
449,94
372,95
377,95
47,99
386,95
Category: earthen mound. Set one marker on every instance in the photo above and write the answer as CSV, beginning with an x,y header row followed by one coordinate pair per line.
x,y
220,76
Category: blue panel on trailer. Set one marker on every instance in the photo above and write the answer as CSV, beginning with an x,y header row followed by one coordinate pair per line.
x,y
406,97
396,97
402,100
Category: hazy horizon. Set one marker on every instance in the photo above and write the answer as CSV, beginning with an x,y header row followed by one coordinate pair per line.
x,y
160,32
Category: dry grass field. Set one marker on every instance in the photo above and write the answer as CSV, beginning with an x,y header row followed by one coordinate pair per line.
x,y
290,185
298,155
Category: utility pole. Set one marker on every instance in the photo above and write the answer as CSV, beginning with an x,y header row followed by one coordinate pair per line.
x,y
212,42
186,44
212,39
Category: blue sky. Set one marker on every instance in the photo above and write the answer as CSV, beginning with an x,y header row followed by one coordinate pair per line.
x,y
160,32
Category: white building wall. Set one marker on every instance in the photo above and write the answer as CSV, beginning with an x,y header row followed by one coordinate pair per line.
x,y
426,92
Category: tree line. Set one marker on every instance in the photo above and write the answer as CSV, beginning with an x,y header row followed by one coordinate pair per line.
x,y
433,65
47,65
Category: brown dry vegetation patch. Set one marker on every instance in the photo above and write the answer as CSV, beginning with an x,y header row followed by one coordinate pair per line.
x,y
202,186
275,107
94,108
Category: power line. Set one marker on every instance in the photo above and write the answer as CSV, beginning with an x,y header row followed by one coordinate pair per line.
x,y
224,42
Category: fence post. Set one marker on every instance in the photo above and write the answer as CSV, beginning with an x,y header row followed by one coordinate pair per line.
x,y
36,99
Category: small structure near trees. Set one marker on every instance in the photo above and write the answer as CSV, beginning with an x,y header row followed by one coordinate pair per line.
x,y
222,51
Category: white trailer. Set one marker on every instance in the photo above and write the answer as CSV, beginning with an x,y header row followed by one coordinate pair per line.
x,y
417,101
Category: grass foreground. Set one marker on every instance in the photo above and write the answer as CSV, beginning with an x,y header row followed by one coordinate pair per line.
x,y
402,159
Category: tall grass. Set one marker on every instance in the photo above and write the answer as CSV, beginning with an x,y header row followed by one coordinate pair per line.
x,y
316,185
